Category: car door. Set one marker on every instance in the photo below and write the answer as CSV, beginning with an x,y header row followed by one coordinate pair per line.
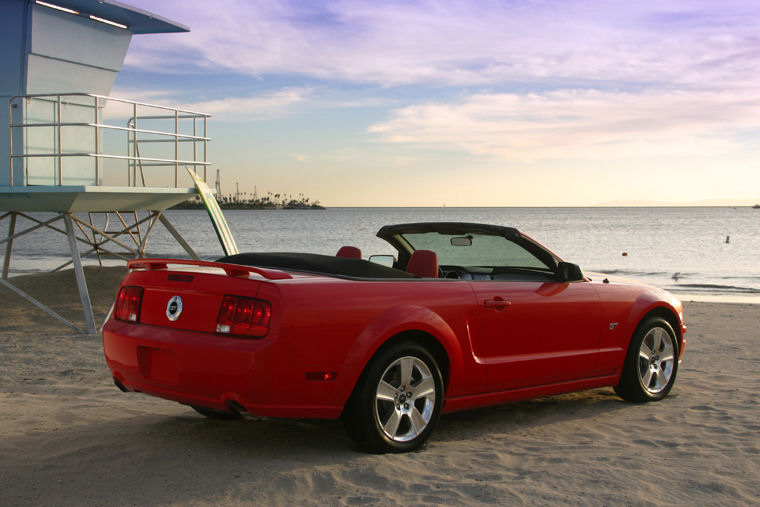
x,y
537,332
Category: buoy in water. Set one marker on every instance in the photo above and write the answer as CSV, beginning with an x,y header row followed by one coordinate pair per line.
x,y
625,254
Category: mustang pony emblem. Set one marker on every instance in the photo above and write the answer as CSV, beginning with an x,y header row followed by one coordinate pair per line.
x,y
174,308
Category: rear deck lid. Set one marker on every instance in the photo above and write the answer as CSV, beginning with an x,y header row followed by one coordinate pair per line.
x,y
190,297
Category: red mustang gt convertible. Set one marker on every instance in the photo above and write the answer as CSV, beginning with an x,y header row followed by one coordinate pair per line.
x,y
465,315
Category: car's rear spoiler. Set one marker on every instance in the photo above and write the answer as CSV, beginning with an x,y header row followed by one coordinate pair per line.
x,y
235,270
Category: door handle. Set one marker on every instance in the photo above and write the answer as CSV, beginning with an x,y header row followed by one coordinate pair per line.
x,y
497,303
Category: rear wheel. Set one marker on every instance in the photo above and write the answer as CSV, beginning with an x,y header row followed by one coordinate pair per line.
x,y
216,414
397,402
651,364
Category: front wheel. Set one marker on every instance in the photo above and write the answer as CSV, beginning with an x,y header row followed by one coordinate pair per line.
x,y
397,401
651,364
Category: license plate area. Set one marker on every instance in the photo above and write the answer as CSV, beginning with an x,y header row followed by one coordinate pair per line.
x,y
158,365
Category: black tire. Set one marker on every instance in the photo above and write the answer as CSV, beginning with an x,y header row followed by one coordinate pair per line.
x,y
397,401
651,363
219,415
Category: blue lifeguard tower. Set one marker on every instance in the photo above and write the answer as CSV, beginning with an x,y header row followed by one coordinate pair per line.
x,y
72,149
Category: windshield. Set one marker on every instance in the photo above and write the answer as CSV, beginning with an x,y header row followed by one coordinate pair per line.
x,y
474,249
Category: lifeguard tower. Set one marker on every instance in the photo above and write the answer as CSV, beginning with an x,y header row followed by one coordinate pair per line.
x,y
72,149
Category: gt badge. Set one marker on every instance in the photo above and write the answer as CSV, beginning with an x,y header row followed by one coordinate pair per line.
x,y
174,308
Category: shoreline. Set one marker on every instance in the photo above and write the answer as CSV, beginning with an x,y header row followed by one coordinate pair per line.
x,y
726,299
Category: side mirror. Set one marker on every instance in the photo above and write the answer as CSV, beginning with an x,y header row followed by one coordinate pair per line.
x,y
569,272
384,260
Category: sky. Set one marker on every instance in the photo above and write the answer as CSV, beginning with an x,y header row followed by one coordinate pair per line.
x,y
467,103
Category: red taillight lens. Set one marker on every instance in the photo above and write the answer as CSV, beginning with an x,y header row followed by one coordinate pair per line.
x,y
244,316
128,304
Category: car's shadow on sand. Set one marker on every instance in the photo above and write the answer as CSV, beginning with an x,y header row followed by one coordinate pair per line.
x,y
277,435
528,414
255,437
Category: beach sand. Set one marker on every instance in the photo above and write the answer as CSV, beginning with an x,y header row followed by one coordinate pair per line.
x,y
69,437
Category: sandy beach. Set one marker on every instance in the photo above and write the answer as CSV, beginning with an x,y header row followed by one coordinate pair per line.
x,y
69,437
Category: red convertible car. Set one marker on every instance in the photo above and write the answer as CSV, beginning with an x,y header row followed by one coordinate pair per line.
x,y
465,315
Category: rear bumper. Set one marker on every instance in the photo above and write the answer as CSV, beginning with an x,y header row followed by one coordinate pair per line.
x,y
217,372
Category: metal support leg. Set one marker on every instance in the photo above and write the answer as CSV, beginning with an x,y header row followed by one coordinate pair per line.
x,y
178,237
9,246
84,295
144,240
39,305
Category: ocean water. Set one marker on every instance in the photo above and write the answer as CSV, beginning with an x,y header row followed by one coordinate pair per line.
x,y
696,251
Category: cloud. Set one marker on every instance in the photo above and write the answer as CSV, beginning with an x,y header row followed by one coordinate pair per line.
x,y
532,80
258,107
264,106
575,124
480,43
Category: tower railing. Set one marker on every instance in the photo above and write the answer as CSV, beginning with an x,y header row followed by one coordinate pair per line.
x,y
63,139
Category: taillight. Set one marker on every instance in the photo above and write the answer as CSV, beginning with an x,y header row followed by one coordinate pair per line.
x,y
244,316
128,304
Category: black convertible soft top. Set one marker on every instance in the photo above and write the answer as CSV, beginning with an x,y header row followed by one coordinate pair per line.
x,y
316,263
387,232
